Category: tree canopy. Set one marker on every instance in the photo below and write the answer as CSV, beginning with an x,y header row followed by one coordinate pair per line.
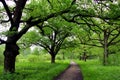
x,y
97,21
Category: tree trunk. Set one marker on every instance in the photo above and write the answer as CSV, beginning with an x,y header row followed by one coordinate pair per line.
x,y
84,56
53,58
10,53
105,55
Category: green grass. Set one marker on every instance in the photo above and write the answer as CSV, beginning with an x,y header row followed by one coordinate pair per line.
x,y
93,70
44,70
35,70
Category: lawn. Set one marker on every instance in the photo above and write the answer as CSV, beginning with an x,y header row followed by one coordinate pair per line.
x,y
93,70
35,70
44,70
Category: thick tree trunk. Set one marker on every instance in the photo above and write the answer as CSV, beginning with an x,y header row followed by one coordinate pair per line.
x,y
52,58
10,53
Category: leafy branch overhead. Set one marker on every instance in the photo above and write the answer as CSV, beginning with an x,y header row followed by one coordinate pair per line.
x,y
30,19
97,21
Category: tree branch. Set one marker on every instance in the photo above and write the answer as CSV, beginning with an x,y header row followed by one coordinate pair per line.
x,y
7,10
45,46
36,21
113,38
91,44
4,21
115,42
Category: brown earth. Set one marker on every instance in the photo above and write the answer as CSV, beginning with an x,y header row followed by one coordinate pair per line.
x,y
73,72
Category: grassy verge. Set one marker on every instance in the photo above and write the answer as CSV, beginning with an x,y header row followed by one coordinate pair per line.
x,y
35,71
93,70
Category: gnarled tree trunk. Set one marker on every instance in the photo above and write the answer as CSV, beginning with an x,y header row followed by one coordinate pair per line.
x,y
10,53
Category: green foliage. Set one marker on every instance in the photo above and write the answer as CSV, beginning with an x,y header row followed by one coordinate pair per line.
x,y
9,33
114,55
84,10
25,52
33,58
64,54
42,8
36,51
38,58
1,58
114,11
38,8
28,39
114,49
35,55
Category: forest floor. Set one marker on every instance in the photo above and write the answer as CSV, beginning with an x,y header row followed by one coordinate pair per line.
x,y
73,72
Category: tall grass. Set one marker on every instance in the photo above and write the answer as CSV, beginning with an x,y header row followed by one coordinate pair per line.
x,y
35,70
93,70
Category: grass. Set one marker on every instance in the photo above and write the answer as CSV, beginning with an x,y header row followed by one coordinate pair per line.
x,y
44,70
35,70
93,70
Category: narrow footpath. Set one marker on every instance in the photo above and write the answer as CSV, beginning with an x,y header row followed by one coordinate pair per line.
x,y
73,72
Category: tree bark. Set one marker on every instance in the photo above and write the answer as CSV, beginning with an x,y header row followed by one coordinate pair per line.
x,y
105,55
52,58
10,53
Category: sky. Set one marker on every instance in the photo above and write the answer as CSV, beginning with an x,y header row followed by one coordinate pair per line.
x,y
9,2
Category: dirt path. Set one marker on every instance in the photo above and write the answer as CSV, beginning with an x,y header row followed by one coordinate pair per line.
x,y
72,73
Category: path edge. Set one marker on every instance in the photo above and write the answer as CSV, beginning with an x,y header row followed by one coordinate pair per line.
x,y
55,78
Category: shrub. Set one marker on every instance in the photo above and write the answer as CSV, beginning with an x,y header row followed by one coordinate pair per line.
x,y
32,58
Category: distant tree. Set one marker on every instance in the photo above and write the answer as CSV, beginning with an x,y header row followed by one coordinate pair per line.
x,y
101,35
52,36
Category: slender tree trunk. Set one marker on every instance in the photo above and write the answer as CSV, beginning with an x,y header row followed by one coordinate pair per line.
x,y
10,53
84,56
63,56
105,55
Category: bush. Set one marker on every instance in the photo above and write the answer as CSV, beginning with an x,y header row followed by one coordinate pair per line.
x,y
32,58
38,58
